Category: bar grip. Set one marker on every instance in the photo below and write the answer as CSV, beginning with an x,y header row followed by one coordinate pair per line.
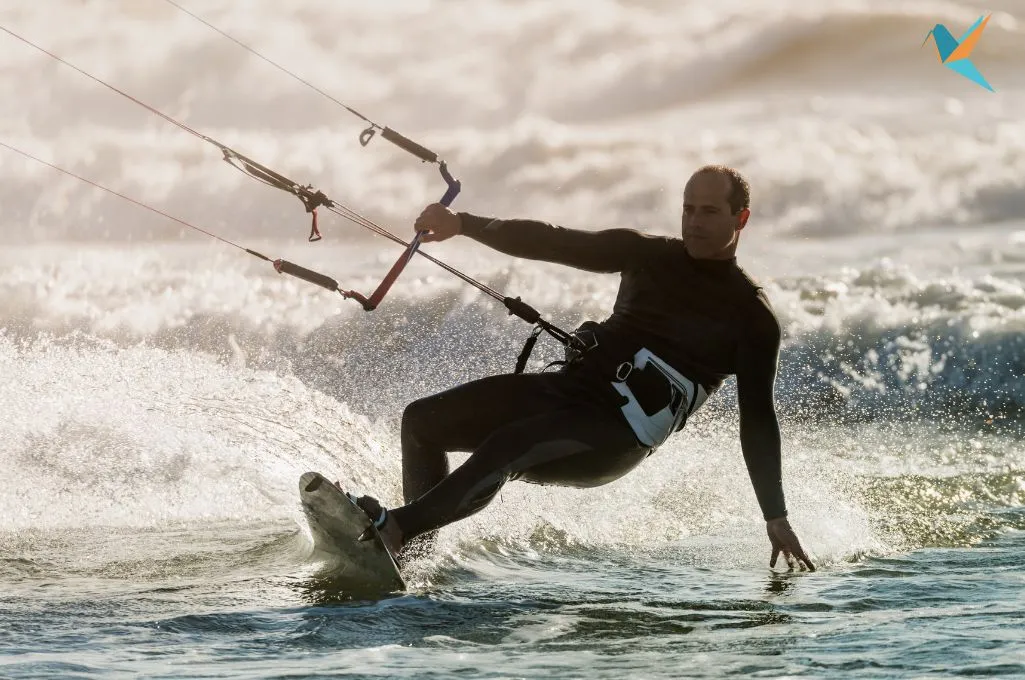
x,y
454,185
423,153
286,267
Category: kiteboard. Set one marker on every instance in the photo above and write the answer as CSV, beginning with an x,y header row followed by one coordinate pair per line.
x,y
336,524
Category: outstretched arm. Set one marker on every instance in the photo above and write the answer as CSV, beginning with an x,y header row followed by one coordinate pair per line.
x,y
611,250
759,432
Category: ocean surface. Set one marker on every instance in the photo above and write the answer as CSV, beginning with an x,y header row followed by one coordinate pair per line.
x,y
161,392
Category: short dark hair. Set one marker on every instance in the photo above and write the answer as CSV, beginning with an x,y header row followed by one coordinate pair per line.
x,y
739,197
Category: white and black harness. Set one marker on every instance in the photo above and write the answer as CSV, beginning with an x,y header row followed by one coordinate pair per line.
x,y
659,399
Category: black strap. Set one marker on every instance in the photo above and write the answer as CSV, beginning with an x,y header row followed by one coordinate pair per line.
x,y
528,347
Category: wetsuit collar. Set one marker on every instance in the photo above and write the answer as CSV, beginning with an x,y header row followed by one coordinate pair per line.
x,y
711,266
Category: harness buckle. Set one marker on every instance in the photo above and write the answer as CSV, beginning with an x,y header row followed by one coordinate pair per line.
x,y
624,370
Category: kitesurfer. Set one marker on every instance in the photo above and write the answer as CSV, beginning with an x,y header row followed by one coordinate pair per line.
x,y
686,317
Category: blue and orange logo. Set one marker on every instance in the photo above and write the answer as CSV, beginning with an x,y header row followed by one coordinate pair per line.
x,y
954,53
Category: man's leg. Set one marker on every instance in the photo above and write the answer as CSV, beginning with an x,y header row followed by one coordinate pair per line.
x,y
578,446
460,419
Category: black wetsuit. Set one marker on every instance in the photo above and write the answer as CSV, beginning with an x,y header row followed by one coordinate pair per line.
x,y
705,318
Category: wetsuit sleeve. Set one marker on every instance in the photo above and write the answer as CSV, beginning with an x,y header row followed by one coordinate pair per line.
x,y
611,250
757,359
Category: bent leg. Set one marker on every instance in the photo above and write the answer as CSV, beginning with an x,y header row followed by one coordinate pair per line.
x,y
581,446
460,419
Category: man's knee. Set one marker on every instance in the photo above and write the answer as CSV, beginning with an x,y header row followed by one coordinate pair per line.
x,y
418,415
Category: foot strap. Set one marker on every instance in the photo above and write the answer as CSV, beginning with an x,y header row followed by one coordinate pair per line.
x,y
377,513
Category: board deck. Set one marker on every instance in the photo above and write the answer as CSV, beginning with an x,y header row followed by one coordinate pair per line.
x,y
335,524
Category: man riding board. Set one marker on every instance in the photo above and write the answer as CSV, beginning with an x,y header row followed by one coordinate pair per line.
x,y
686,317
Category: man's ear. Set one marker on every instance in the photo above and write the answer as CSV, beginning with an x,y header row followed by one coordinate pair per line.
x,y
743,215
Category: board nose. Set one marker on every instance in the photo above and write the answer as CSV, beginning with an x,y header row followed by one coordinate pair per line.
x,y
311,481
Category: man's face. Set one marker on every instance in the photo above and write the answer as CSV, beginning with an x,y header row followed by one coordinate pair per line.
x,y
709,227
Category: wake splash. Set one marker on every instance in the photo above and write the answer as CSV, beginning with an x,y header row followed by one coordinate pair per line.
x,y
97,435
141,438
